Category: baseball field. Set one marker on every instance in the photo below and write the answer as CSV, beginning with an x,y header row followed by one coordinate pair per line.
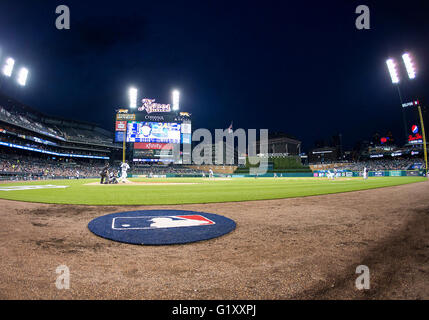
x,y
187,190
285,246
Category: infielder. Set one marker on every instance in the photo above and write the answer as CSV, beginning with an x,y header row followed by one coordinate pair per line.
x,y
365,173
210,173
124,169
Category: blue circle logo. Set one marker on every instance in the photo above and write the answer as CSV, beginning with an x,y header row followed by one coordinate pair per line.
x,y
161,227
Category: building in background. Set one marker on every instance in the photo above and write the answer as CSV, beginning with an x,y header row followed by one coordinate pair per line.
x,y
281,144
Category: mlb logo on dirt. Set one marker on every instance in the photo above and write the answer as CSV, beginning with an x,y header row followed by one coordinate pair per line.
x,y
159,222
161,227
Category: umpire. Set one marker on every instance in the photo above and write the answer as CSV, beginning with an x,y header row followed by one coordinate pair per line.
x,y
104,173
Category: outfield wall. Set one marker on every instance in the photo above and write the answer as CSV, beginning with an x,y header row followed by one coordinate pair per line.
x,y
381,173
320,173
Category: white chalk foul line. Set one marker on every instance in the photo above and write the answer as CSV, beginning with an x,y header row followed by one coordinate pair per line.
x,y
36,187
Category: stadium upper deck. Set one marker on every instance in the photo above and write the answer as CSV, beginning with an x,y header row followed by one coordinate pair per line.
x,y
25,128
17,114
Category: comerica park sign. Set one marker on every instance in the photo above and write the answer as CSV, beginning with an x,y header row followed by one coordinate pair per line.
x,y
150,106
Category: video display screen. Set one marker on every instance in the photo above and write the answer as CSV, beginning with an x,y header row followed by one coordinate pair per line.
x,y
157,132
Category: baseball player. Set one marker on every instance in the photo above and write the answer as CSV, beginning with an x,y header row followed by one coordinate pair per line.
x,y
124,169
330,175
113,177
104,173
365,173
210,173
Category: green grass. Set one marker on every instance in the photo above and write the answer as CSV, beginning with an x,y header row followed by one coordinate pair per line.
x,y
203,191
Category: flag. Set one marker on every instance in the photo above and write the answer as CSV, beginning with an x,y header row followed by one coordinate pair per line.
x,y
230,128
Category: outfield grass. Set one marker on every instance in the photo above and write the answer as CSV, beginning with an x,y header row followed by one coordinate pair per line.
x,y
201,191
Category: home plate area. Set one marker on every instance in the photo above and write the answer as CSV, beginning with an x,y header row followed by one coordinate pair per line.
x,y
161,227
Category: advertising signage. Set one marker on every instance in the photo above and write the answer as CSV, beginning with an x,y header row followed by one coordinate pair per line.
x,y
121,126
150,106
125,116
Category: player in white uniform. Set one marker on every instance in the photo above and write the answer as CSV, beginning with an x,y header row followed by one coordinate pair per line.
x,y
365,173
330,175
124,169
210,173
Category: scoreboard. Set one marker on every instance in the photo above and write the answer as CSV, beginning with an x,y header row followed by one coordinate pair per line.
x,y
153,133
161,132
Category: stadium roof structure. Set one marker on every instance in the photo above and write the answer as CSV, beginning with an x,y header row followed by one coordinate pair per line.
x,y
26,108
52,123
279,134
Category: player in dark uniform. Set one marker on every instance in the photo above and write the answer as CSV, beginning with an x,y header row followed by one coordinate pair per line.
x,y
113,177
104,173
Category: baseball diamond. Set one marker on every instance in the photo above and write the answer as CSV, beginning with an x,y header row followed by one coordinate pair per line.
x,y
221,157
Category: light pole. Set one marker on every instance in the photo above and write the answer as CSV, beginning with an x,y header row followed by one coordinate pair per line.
x,y
393,71
176,95
424,139
132,95
411,71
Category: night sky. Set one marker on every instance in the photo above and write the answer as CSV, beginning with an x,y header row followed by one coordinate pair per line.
x,y
300,67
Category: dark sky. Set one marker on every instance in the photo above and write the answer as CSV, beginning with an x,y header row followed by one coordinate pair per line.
x,y
296,66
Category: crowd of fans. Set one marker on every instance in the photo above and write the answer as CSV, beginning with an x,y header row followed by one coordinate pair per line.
x,y
164,170
19,167
383,164
25,167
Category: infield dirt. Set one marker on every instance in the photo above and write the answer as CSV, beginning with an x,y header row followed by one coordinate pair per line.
x,y
297,248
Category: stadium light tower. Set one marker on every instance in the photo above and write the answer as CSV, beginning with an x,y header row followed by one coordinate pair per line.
x,y
411,70
391,65
22,76
394,76
8,67
132,93
176,97
409,65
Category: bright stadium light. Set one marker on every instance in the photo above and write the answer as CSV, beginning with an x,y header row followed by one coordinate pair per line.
x,y
22,76
133,97
391,65
409,65
176,95
8,67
